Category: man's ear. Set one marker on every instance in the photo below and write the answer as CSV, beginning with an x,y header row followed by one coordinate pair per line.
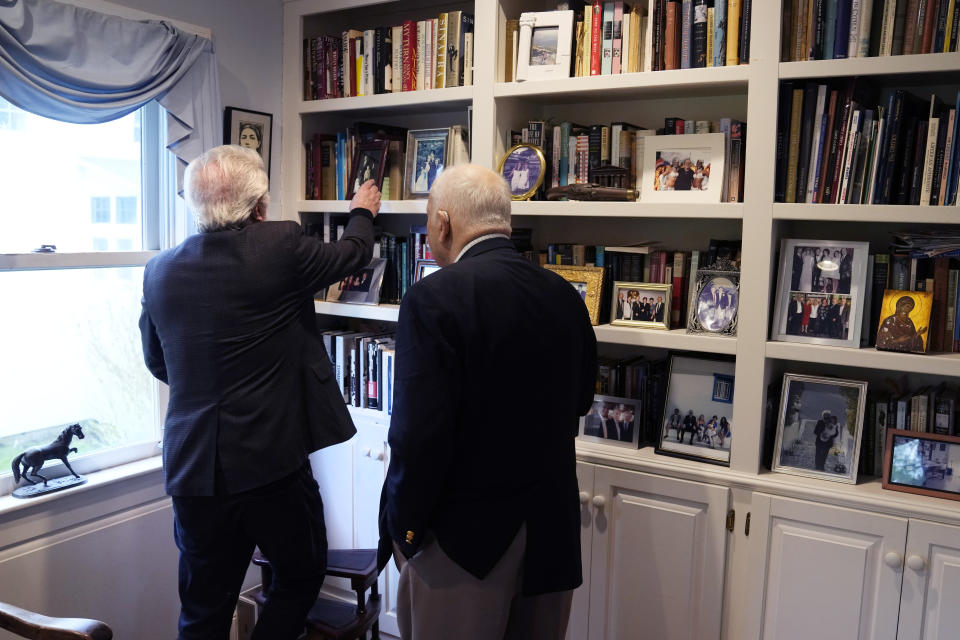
x,y
260,211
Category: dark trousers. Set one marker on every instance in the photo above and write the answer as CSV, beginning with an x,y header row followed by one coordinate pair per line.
x,y
216,536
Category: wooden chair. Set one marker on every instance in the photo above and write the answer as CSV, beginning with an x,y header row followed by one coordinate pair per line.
x,y
330,618
28,624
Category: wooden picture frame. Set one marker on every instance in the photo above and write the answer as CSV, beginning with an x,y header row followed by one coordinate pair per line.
x,y
612,421
523,166
588,281
630,306
369,162
913,460
687,168
544,50
251,129
716,302
428,152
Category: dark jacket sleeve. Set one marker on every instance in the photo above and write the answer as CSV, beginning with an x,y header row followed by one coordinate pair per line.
x,y
588,366
152,351
320,264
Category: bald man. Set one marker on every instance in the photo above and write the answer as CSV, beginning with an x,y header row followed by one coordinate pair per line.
x,y
496,361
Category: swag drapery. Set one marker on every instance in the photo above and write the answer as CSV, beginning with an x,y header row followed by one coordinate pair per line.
x,y
81,66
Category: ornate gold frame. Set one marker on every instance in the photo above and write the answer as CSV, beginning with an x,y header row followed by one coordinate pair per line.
x,y
592,276
543,169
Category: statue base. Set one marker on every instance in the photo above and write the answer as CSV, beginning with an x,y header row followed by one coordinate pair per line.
x,y
39,489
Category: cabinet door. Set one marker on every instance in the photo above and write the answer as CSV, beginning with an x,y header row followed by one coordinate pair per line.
x,y
825,571
579,612
931,583
659,548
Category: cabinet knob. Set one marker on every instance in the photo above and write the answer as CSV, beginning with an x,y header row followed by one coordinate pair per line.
x,y
916,562
599,501
893,559
584,497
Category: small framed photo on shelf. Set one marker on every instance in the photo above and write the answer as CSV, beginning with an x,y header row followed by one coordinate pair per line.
x,y
819,427
368,164
927,464
687,168
905,321
425,268
546,38
523,166
588,281
613,421
427,155
716,302
641,304
251,129
698,414
362,287
820,292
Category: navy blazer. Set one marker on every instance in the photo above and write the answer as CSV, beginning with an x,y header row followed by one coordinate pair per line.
x,y
228,322
496,361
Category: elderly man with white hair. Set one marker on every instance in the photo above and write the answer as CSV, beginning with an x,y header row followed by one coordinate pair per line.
x,y
496,361
228,322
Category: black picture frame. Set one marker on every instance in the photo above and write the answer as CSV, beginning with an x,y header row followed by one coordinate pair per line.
x,y
236,120
369,161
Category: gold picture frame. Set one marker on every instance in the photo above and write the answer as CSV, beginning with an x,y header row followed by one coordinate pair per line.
x,y
516,166
629,300
588,281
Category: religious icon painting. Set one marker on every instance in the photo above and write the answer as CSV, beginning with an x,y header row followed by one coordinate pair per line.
x,y
905,321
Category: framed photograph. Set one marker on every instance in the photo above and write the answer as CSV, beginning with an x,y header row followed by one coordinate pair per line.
x,y
641,304
820,292
362,287
698,413
368,163
427,154
927,464
588,281
819,427
687,168
523,166
546,38
716,302
613,421
905,321
425,268
251,129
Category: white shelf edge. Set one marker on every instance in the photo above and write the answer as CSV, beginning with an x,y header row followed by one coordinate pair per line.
x,y
388,312
343,206
673,339
946,364
881,65
911,214
731,211
431,98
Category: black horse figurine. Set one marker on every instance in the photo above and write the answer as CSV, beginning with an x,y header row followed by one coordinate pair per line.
x,y
34,457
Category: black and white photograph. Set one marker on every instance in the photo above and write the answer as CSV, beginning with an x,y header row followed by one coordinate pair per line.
x,y
368,164
820,291
641,304
362,287
612,420
427,152
922,463
714,309
819,427
250,129
544,45
684,168
523,167
698,414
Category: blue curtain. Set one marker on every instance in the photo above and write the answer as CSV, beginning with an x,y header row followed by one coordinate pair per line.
x,y
76,65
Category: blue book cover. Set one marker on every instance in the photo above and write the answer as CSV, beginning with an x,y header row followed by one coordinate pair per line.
x,y
882,145
686,34
720,34
841,39
829,30
341,165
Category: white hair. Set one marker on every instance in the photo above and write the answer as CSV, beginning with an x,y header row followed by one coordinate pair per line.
x,y
224,185
475,195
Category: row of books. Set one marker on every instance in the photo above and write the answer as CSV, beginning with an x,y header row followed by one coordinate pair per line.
x,y
699,33
427,54
637,379
833,29
363,364
841,144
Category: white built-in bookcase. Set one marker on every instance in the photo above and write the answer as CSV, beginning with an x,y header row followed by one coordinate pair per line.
x,y
748,93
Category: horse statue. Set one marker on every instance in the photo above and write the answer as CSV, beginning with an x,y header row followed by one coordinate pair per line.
x,y
34,457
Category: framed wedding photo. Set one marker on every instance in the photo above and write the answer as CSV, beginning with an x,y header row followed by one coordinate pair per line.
x,y
546,38
926,464
611,420
523,166
714,309
820,292
641,304
251,129
368,164
362,287
427,155
588,281
819,427
698,414
687,168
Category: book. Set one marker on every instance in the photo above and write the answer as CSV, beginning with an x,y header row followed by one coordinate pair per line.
x,y
733,33
744,40
671,41
793,154
596,37
440,68
512,31
616,37
686,34
719,33
454,40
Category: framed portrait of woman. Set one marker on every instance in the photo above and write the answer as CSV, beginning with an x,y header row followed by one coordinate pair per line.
x,y
428,152
820,292
250,129
523,166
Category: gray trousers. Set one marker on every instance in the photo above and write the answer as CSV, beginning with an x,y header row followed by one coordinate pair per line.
x,y
438,600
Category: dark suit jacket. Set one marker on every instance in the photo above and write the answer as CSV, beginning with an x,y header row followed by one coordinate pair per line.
x,y
496,360
228,322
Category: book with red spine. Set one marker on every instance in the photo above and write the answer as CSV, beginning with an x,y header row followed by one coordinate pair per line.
x,y
596,37
409,55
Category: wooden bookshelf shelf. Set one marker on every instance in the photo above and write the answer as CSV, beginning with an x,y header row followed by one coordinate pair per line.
x,y
432,100
911,214
674,339
945,364
386,312
343,206
877,66
628,210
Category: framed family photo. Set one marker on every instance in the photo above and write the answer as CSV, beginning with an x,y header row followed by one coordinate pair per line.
x,y
716,303
698,414
588,281
612,420
820,292
641,304
819,427
926,464
362,287
368,164
251,129
427,155
546,38
523,166
686,168
905,321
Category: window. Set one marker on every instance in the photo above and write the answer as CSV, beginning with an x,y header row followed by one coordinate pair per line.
x,y
124,244
100,210
100,244
126,210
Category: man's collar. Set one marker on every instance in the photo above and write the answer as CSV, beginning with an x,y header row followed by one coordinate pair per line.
x,y
477,241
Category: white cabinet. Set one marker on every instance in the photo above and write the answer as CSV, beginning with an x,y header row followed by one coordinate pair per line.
x,y
931,583
657,549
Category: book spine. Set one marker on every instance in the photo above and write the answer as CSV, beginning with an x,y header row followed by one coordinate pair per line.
x,y
453,53
440,64
942,28
670,60
929,26
793,154
865,25
719,33
783,133
829,29
409,63
944,159
933,126
815,141
736,172
853,29
617,37
686,34
596,37
733,33
914,23
745,18
954,30
699,34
